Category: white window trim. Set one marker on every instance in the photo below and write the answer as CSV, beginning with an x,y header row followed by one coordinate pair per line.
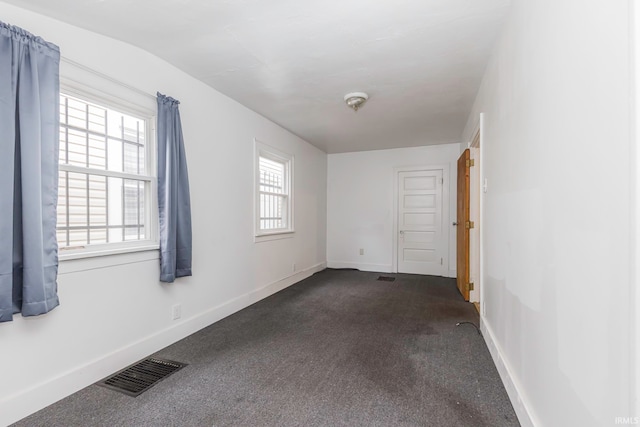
x,y
91,94
264,150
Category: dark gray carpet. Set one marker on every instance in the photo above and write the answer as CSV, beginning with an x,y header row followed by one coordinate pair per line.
x,y
337,349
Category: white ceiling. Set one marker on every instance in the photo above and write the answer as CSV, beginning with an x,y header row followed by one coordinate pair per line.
x,y
420,61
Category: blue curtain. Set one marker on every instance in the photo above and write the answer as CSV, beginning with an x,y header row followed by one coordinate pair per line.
x,y
29,126
173,194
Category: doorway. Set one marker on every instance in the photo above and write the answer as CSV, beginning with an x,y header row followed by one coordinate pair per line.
x,y
420,242
475,213
468,230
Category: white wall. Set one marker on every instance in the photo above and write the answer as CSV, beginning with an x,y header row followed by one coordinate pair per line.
x,y
557,223
361,206
114,311
635,200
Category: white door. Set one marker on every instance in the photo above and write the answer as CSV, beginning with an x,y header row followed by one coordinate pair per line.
x,y
420,239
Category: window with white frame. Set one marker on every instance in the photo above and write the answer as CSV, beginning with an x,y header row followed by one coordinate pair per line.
x,y
106,176
274,213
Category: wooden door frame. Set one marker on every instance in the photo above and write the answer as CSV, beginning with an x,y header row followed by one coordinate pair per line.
x,y
446,232
478,130
463,230
475,216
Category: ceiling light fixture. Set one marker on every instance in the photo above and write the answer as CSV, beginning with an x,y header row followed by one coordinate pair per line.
x,y
355,99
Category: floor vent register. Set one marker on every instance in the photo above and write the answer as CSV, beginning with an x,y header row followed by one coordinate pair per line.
x,y
140,377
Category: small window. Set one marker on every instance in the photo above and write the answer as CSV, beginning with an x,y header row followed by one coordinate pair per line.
x,y
274,213
105,179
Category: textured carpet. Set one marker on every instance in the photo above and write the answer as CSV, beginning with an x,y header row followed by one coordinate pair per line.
x,y
337,349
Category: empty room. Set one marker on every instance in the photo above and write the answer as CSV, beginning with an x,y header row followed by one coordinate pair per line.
x,y
305,213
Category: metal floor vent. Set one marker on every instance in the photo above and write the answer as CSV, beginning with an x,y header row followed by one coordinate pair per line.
x,y
140,377
386,278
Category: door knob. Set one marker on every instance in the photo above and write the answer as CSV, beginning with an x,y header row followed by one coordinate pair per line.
x,y
455,224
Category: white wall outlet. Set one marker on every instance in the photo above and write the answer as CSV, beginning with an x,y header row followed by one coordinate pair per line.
x,y
176,311
294,267
361,251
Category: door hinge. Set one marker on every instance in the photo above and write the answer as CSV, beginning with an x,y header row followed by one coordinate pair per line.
x,y
440,261
470,163
442,181
469,225
471,286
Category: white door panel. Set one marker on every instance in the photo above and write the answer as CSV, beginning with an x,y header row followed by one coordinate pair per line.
x,y
420,222
420,201
417,220
419,255
419,237
420,183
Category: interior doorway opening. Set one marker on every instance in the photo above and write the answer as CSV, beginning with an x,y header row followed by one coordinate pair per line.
x,y
468,222
420,238
475,215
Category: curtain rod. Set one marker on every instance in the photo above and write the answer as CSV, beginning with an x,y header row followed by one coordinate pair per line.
x,y
109,78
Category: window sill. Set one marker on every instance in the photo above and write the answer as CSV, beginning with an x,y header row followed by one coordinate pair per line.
x,y
274,236
80,254
83,261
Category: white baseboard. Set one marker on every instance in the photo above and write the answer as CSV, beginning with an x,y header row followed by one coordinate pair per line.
x,y
26,402
379,268
511,384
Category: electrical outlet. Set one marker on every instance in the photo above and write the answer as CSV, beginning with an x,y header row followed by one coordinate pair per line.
x,y
361,251
176,311
294,267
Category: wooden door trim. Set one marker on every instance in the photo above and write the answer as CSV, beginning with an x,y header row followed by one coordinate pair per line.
x,y
462,217
478,142
446,232
475,195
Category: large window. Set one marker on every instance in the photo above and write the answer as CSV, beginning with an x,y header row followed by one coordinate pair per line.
x,y
105,179
274,170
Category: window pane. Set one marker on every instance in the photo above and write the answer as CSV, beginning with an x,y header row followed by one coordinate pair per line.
x,y
98,200
63,145
98,235
61,236
114,124
130,127
115,157
77,238
96,209
77,200
63,109
271,212
61,231
131,202
97,152
76,113
98,137
115,234
76,146
97,119
271,176
273,194
131,162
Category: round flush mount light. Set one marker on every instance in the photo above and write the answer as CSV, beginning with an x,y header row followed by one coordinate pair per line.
x,y
355,99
